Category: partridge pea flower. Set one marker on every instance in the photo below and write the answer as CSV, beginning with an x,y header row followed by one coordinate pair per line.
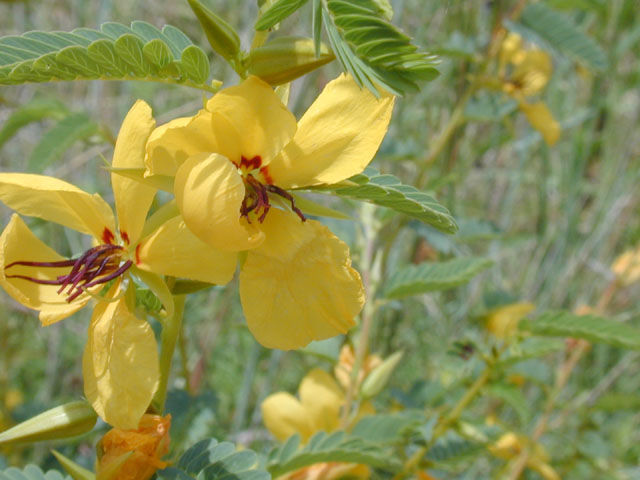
x,y
235,160
317,409
39,278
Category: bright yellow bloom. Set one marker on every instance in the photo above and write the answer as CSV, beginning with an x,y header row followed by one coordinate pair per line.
x,y
627,266
503,321
233,163
120,361
510,445
530,72
134,454
318,409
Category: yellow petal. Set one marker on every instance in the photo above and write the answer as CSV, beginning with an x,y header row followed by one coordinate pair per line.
x,y
533,73
174,250
284,416
511,45
336,138
627,267
541,118
298,286
120,364
250,120
322,399
209,192
18,243
132,198
57,201
171,144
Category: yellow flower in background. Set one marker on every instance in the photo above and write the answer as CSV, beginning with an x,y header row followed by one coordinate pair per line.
x,y
627,267
503,321
346,360
233,163
121,375
317,409
510,445
530,71
134,454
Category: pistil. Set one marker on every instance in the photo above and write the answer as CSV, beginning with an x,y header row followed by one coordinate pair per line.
x,y
96,266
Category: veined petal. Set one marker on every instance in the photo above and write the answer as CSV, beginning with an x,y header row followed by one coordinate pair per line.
x,y
336,138
322,399
209,192
18,243
132,198
250,120
57,201
541,118
284,416
120,363
298,286
171,144
174,250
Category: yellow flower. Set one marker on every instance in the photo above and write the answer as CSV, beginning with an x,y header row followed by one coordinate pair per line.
x,y
627,267
233,163
134,454
318,409
346,360
530,72
510,445
503,321
120,361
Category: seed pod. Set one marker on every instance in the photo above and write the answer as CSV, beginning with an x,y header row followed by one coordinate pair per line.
x,y
68,420
286,58
222,37
379,376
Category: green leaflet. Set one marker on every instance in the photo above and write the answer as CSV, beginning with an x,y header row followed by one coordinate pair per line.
x,y
589,327
31,472
544,25
373,50
278,11
389,428
336,447
513,397
115,52
53,144
429,277
387,191
210,460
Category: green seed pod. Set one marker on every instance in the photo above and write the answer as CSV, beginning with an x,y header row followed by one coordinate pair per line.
x,y
379,376
68,420
72,468
286,58
222,37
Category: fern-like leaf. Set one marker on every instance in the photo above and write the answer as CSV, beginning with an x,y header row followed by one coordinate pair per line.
x,y
115,52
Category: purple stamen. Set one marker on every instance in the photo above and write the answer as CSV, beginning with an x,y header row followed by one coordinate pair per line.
x,y
257,198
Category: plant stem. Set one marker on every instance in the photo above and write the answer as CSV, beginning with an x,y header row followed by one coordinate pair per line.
x,y
170,332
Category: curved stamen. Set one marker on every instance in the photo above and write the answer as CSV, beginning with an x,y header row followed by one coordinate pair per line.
x,y
257,199
96,266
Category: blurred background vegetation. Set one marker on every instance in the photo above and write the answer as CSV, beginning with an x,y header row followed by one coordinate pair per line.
x,y
552,219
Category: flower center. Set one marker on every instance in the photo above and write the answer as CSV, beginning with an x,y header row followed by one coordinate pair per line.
x,y
96,266
256,198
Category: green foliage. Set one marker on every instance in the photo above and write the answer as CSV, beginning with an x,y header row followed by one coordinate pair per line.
x,y
544,25
589,327
429,277
336,447
453,448
31,472
513,397
115,52
389,428
373,50
28,113
278,11
71,129
210,460
388,191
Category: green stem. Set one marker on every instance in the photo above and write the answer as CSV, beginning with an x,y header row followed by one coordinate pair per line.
x,y
170,332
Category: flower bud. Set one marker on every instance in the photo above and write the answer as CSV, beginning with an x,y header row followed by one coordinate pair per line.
x,y
134,454
286,58
69,420
503,321
222,37
379,376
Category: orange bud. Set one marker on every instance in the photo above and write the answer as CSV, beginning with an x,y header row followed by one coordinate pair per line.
x,y
145,446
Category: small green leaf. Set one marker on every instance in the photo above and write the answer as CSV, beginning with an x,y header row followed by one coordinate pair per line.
x,y
31,472
589,327
388,428
514,398
278,11
387,191
158,53
129,48
75,127
429,277
195,64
